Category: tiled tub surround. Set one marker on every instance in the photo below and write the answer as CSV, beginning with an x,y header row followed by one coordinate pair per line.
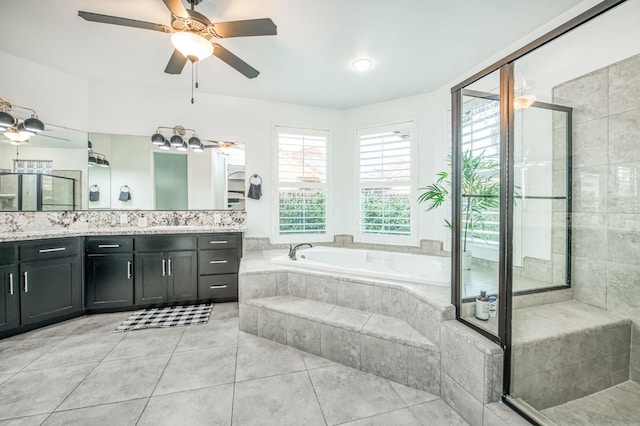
x,y
396,331
16,226
606,207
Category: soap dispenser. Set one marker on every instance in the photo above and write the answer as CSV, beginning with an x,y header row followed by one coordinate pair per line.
x,y
482,306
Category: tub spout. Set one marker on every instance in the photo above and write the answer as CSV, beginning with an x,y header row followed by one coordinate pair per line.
x,y
294,249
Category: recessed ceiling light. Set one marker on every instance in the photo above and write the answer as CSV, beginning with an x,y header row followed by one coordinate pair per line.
x,y
362,64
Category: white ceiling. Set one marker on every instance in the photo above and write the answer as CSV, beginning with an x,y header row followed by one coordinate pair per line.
x,y
416,45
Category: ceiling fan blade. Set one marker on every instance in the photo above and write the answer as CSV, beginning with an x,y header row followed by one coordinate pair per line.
x,y
176,7
248,28
176,63
234,62
115,20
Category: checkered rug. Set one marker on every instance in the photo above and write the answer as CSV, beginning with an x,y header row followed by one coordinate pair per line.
x,y
172,316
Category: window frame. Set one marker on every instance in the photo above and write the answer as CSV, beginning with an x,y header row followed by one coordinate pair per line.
x,y
278,238
408,240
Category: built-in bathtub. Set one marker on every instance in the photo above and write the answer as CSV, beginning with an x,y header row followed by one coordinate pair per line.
x,y
413,268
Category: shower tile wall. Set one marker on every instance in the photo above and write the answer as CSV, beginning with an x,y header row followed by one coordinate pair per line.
x,y
606,191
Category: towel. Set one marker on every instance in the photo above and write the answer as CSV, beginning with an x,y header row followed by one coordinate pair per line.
x,y
125,193
94,193
255,191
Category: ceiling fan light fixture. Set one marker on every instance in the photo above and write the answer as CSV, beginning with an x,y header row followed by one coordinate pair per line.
x,y
15,136
524,101
192,45
362,64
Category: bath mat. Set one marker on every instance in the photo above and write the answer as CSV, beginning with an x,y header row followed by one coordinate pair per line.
x,y
172,316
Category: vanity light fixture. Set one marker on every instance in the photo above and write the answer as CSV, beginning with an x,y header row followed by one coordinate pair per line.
x,y
18,130
177,139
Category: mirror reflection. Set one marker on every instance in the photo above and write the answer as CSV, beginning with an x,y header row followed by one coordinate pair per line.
x,y
64,169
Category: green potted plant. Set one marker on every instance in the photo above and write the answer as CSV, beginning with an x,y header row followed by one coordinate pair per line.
x,y
480,194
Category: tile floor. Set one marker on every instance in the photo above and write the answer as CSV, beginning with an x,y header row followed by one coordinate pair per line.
x,y
79,372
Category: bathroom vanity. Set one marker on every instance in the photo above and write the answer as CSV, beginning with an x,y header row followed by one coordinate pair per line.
x,y
53,279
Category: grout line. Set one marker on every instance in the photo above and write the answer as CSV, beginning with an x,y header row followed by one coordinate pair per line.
x,y
317,398
235,376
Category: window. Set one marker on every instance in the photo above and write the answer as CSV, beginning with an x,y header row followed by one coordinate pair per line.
x,y
481,139
385,182
302,182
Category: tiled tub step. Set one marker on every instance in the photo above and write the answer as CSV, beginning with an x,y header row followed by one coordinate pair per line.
x,y
378,344
564,351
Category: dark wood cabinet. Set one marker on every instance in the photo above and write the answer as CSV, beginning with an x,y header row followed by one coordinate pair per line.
x,y
49,289
10,288
109,280
166,269
109,272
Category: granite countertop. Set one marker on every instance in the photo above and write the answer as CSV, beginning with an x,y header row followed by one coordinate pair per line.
x,y
124,230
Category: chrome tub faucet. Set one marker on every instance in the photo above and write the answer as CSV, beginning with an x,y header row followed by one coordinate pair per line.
x,y
294,249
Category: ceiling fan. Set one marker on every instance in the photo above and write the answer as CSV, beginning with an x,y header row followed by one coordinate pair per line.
x,y
192,34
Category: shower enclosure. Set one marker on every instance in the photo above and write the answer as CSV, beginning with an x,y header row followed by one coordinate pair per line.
x,y
36,192
546,184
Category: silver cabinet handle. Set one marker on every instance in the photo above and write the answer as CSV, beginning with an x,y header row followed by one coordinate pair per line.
x,y
218,261
26,282
170,271
108,245
218,286
11,284
218,242
51,250
128,269
164,267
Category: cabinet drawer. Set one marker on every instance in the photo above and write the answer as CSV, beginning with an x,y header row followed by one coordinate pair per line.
x,y
217,261
109,245
165,243
48,249
218,287
8,254
218,241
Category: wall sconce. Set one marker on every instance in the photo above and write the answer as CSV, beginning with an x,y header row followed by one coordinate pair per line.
x,y
177,139
18,130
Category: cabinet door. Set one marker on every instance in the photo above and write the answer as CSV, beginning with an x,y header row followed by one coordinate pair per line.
x,y
150,278
50,288
182,274
9,300
109,280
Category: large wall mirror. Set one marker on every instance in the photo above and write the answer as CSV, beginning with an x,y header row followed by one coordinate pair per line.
x,y
63,169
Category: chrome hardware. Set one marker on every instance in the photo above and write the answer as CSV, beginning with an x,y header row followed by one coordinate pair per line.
x,y
294,249
218,242
164,267
11,284
128,269
218,286
170,271
26,282
108,245
51,250
218,261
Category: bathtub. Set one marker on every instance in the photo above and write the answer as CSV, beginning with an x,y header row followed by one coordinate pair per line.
x,y
405,267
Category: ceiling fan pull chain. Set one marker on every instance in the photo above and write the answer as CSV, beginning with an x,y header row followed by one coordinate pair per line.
x,y
192,82
197,74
